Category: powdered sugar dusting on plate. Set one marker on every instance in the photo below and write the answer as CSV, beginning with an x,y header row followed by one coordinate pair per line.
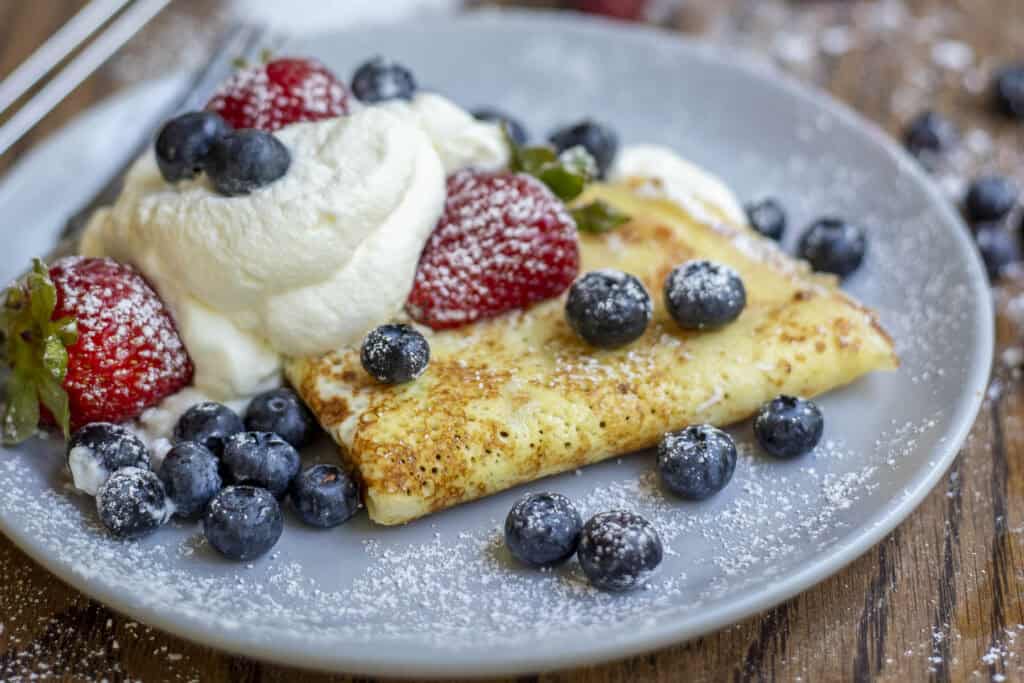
x,y
446,583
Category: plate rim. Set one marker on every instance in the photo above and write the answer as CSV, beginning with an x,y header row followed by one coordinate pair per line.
x,y
649,637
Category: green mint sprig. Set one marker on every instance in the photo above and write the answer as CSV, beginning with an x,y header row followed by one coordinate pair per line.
x,y
566,175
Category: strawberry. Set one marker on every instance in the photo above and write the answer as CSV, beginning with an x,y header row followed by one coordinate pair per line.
x,y
503,242
283,91
90,341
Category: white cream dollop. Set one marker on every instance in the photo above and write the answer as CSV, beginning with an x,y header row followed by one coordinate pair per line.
x,y
303,266
459,139
678,180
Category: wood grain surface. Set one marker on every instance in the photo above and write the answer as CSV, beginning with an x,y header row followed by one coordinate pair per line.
x,y
942,598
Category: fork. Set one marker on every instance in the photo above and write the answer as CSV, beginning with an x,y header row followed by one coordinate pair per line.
x,y
247,42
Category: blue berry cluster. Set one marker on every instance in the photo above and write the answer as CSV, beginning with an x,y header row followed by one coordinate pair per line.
x,y
990,201
228,471
617,550
237,162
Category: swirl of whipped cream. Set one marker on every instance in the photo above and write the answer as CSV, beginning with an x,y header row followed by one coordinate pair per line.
x,y
459,139
303,266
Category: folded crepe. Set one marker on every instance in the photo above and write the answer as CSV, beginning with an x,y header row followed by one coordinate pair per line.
x,y
520,397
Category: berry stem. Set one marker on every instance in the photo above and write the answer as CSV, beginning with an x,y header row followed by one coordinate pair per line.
x,y
35,347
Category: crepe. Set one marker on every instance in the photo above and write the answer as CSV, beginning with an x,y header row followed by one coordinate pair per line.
x,y
520,397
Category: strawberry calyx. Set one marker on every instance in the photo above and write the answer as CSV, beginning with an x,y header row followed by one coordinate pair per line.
x,y
567,176
35,348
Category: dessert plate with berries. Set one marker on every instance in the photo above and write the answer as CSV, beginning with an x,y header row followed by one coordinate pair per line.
x,y
394,361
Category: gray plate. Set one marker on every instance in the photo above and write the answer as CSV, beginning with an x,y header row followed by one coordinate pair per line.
x,y
439,596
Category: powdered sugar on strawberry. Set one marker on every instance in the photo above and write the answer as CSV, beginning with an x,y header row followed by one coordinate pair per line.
x,y
128,356
278,93
504,242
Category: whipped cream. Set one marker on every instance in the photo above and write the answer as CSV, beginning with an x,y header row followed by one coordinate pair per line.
x,y
459,139
300,267
308,264
677,179
87,471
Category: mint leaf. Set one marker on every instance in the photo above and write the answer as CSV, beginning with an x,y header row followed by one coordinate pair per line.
x,y
598,217
565,184
566,175
532,160
579,161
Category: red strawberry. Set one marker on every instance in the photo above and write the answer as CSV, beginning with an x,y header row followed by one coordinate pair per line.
x,y
275,94
618,9
92,342
504,242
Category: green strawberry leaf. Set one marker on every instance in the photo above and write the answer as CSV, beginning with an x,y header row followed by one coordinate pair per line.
x,y
21,416
67,329
598,217
42,293
55,357
35,347
53,396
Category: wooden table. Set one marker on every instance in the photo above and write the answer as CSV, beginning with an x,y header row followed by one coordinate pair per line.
x,y
941,598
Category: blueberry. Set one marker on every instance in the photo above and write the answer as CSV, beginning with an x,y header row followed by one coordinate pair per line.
x,y
324,496
395,354
184,143
190,477
208,424
132,503
516,130
543,529
990,198
832,245
282,412
382,79
618,550
247,160
261,459
788,427
697,462
704,295
930,133
1008,88
243,522
598,139
998,248
98,450
768,217
608,308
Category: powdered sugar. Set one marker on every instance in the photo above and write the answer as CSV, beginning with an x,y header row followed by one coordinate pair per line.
x,y
363,595
284,91
128,352
503,242
458,589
